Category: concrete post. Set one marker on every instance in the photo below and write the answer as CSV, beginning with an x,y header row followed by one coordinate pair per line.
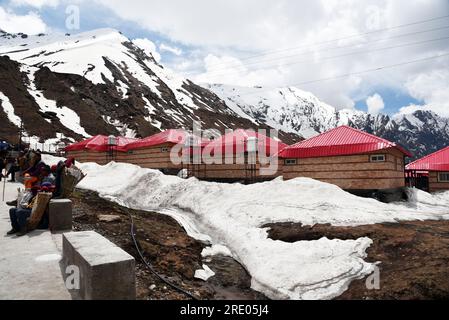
x,y
60,215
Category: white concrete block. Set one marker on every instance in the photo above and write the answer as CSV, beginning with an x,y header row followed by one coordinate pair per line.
x,y
106,271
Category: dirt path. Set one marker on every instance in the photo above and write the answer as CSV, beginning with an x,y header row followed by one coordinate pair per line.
x,y
414,256
167,247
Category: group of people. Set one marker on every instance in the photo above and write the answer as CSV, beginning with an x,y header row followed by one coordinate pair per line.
x,y
37,177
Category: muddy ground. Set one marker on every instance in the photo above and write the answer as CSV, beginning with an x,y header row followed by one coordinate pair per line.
x,y
414,256
168,248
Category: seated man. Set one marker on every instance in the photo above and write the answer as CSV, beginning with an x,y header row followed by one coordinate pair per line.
x,y
19,215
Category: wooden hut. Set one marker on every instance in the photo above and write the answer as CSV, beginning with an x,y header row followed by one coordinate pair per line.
x,y
155,151
349,158
430,173
100,149
242,155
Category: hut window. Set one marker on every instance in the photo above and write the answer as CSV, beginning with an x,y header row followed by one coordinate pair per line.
x,y
443,177
291,162
377,158
165,149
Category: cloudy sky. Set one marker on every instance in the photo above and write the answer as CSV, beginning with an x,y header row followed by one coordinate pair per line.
x,y
335,49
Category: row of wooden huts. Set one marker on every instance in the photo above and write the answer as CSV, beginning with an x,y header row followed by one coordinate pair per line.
x,y
349,158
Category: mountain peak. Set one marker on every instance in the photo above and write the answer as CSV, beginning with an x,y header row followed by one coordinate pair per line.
x,y
296,111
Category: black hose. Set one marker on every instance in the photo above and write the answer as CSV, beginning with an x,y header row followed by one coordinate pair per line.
x,y
150,267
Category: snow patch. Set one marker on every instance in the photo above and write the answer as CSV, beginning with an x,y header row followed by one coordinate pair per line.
x,y
216,250
204,274
9,110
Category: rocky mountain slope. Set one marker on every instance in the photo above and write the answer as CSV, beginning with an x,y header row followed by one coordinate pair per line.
x,y
296,111
68,87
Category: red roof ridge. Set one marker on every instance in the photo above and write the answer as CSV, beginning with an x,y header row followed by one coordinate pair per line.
x,y
365,133
339,138
428,156
352,129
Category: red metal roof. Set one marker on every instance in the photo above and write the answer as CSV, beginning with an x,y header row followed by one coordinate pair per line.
x,y
236,141
343,140
174,136
100,144
80,145
438,161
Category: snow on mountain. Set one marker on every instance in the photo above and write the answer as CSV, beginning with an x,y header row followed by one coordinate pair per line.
x,y
288,109
100,82
9,110
296,111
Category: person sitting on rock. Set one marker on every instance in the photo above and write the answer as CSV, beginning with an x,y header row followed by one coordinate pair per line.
x,y
20,215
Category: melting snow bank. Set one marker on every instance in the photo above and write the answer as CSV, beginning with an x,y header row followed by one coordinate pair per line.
x,y
232,216
215,250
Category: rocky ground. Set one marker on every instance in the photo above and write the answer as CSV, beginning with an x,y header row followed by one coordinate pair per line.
x,y
413,256
172,253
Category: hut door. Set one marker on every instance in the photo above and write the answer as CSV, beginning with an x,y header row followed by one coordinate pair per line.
x,y
419,181
422,183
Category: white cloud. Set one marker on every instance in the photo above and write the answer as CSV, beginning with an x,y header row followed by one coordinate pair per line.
x,y
433,89
236,73
148,47
174,50
375,104
35,3
227,34
30,23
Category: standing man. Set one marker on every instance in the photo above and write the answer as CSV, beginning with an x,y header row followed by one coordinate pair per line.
x,y
12,170
2,167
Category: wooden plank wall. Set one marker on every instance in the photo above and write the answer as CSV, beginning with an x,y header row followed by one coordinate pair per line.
x,y
435,185
151,158
89,156
354,172
234,168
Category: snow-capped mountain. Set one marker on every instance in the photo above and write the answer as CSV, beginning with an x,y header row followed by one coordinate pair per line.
x,y
295,111
68,87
